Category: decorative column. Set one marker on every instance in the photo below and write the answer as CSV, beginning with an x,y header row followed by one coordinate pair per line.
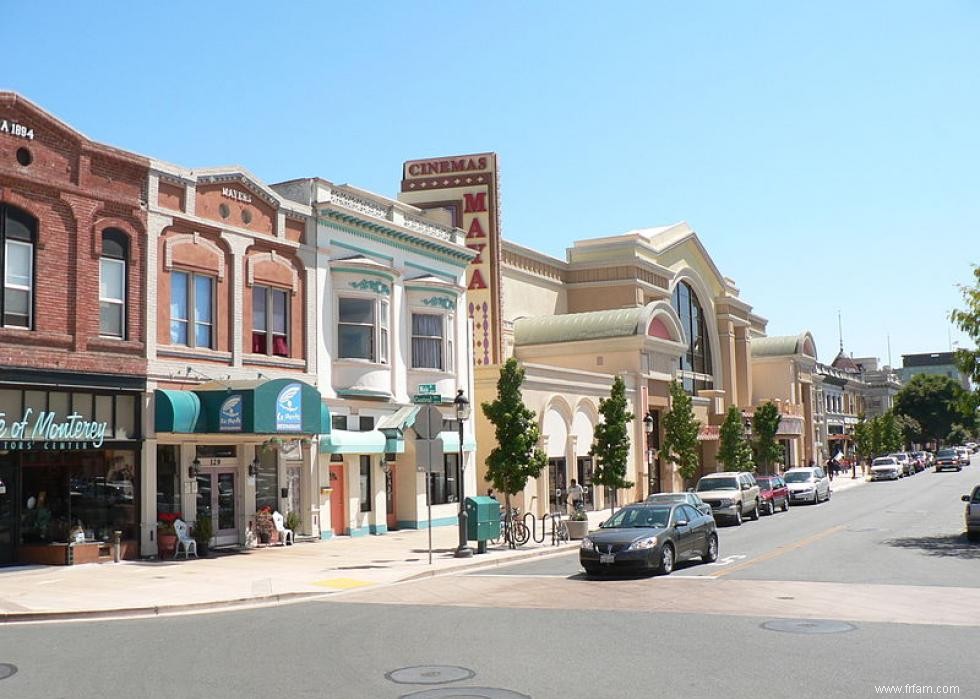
x,y
238,244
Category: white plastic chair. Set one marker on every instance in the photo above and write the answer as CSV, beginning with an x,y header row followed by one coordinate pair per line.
x,y
285,535
184,540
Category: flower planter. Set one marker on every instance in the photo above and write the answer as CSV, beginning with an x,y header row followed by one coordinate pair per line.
x,y
166,545
577,529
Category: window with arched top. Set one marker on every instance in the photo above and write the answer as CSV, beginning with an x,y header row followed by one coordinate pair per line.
x,y
696,370
112,283
18,236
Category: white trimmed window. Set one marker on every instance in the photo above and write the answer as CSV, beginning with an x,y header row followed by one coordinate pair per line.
x,y
270,321
18,231
112,284
362,328
191,309
432,345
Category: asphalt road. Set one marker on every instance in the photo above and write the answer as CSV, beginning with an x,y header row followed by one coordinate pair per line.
x,y
540,630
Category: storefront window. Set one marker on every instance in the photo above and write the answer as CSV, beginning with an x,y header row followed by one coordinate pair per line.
x,y
695,363
445,481
168,478
267,480
93,492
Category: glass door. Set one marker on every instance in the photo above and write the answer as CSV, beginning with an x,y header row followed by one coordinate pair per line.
x,y
585,480
557,480
216,498
8,509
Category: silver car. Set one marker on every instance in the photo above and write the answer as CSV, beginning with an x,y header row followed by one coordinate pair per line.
x,y
808,484
886,468
692,499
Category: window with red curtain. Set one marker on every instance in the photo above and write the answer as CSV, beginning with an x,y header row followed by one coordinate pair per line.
x,y
270,321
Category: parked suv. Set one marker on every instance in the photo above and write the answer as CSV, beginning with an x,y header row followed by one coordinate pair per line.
x,y
948,458
905,462
773,493
731,495
808,484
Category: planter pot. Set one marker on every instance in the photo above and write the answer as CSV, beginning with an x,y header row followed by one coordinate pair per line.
x,y
577,529
166,545
202,549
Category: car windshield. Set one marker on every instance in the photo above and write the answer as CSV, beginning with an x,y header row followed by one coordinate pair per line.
x,y
667,497
883,462
637,517
717,484
947,452
764,482
798,476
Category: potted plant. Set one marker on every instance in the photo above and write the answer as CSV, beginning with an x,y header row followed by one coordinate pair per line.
x,y
166,535
203,531
264,526
578,525
292,521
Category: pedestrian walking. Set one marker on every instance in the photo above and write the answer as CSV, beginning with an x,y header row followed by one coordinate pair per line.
x,y
575,495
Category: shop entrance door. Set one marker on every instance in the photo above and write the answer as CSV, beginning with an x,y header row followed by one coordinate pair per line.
x,y
585,480
217,498
558,482
392,519
8,509
338,513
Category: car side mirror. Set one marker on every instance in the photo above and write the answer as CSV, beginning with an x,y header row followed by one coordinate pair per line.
x,y
680,523
965,498
745,486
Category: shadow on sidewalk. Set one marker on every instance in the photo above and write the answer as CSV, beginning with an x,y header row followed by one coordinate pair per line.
x,y
949,546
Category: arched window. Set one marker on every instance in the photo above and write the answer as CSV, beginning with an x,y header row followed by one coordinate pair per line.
x,y
18,234
697,372
112,283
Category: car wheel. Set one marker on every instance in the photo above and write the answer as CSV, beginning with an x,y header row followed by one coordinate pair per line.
x,y
959,468
816,497
711,553
754,515
666,560
829,493
786,505
770,507
738,516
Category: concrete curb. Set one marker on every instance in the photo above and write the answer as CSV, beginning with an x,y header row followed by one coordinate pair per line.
x,y
159,610
481,564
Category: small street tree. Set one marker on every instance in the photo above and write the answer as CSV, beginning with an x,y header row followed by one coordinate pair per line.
x,y
734,450
864,445
765,424
680,444
611,445
516,458
891,432
968,320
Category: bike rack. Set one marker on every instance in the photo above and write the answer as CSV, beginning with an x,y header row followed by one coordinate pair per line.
x,y
533,527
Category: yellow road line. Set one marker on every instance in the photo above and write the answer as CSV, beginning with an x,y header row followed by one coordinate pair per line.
x,y
779,551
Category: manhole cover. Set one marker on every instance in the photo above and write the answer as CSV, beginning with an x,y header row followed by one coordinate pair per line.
x,y
808,626
429,674
6,670
465,693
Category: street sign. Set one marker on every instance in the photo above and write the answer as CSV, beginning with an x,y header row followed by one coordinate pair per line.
x,y
428,453
426,388
428,422
426,398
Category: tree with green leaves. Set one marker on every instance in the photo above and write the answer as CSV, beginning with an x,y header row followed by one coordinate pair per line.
x,y
910,430
765,424
734,450
516,458
936,403
611,445
864,440
968,320
958,435
681,429
891,432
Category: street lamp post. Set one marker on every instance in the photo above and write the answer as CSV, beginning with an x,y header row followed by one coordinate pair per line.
x,y
648,429
462,414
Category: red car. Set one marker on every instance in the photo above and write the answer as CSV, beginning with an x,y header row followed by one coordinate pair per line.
x,y
773,493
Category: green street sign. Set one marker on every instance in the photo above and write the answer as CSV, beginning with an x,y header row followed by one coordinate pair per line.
x,y
426,398
427,388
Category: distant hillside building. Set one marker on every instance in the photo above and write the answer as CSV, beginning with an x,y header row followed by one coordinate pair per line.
x,y
935,363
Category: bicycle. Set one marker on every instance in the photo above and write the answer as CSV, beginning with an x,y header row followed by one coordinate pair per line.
x,y
513,531
559,530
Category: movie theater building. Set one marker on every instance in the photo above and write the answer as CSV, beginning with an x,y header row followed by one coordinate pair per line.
x,y
649,306
392,331
236,416
72,341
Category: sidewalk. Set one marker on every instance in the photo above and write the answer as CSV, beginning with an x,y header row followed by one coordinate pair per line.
x,y
253,576
845,482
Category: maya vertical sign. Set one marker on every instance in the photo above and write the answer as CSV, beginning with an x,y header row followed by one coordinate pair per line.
x,y
467,185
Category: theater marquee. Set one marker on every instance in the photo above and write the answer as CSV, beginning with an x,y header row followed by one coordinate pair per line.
x,y
466,185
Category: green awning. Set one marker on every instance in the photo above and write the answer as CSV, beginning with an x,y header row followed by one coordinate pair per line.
x,y
278,406
176,411
450,442
348,442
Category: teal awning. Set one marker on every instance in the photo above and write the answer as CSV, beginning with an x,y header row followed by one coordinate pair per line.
x,y
277,406
450,442
347,442
176,411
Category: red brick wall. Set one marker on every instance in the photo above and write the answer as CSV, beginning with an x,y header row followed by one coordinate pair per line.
x,y
75,189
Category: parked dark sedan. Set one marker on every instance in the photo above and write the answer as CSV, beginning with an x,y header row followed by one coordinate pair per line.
x,y
692,499
649,537
773,493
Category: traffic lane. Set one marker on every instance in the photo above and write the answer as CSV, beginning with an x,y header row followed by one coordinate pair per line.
x,y
909,532
345,650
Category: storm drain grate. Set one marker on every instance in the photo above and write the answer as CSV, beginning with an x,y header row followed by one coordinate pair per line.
x,y
808,626
7,670
465,693
430,674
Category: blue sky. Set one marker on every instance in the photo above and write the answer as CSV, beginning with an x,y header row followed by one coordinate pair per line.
x,y
828,154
